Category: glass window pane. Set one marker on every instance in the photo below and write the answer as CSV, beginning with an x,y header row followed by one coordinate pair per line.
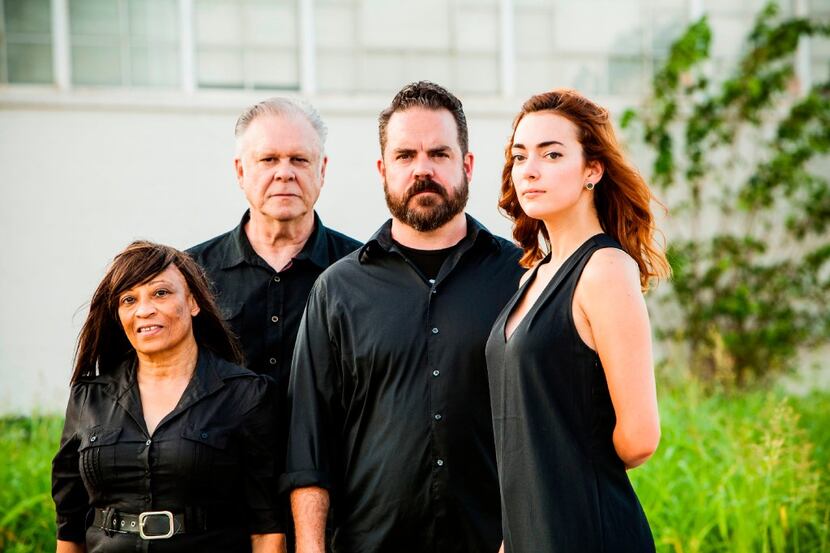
x,y
271,69
423,25
30,63
154,19
247,43
124,42
25,41
154,65
269,23
217,22
94,17
94,65
27,16
220,67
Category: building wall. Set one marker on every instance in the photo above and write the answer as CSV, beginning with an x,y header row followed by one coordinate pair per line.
x,y
115,142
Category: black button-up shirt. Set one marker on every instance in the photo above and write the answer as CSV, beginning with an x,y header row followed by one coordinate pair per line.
x,y
389,396
262,306
211,459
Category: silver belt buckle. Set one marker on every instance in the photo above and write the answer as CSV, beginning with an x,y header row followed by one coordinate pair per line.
x,y
142,519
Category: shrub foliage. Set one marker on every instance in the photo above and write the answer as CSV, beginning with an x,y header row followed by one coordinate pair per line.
x,y
742,160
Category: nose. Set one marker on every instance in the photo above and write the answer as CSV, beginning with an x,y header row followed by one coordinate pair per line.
x,y
283,171
528,170
423,167
144,308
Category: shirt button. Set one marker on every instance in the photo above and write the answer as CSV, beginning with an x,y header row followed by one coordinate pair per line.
x,y
274,319
273,360
434,290
438,416
148,442
436,372
276,279
434,330
440,462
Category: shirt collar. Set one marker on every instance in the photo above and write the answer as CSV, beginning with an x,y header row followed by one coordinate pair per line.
x,y
239,249
208,377
382,240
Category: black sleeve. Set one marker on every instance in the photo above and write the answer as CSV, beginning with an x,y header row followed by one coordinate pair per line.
x,y
259,465
313,392
68,491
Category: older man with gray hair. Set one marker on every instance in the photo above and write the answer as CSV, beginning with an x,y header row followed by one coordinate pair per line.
x,y
263,269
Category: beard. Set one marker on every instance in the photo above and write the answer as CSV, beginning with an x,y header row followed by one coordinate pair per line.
x,y
427,212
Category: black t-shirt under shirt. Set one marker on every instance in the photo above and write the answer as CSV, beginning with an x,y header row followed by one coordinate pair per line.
x,y
429,262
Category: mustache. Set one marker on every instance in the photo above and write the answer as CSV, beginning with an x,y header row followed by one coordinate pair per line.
x,y
425,185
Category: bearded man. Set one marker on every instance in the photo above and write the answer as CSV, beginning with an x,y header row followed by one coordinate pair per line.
x,y
390,413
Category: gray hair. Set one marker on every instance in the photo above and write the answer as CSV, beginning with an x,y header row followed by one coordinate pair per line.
x,y
282,106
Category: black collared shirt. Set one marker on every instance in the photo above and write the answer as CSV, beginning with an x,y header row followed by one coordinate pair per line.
x,y
211,459
262,306
389,396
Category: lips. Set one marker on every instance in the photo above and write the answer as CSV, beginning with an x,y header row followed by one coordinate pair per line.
x,y
148,329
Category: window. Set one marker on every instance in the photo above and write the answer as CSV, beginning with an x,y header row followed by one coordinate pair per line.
x,y
248,44
377,46
25,41
124,42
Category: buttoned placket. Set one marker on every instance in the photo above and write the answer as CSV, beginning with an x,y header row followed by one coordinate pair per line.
x,y
130,400
274,314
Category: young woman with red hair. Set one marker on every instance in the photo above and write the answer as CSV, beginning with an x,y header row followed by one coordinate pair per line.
x,y
570,362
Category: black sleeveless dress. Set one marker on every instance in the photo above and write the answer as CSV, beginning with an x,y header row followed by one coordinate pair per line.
x,y
564,489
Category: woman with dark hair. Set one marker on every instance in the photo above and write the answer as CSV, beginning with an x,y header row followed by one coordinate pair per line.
x,y
569,358
166,437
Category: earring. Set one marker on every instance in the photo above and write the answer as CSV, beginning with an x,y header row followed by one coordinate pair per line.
x,y
589,186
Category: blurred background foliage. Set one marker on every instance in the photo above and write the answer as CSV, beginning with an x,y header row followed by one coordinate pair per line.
x,y
741,160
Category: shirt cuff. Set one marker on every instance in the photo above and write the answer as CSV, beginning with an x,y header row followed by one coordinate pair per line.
x,y
72,528
304,479
266,521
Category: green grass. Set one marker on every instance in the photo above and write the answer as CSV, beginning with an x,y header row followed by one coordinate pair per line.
x,y
27,514
743,472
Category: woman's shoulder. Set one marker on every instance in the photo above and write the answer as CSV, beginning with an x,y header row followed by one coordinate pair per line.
x,y
610,270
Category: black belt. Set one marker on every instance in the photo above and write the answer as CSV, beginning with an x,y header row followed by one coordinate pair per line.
x,y
150,525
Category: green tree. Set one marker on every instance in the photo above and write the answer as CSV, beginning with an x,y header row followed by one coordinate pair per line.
x,y
741,161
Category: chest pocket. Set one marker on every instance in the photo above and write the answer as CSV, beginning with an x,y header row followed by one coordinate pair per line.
x,y
207,452
233,314
97,452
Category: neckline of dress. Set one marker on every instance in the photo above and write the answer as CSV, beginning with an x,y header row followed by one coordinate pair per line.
x,y
556,278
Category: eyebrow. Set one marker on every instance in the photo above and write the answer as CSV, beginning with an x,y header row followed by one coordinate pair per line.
x,y
435,150
540,145
286,153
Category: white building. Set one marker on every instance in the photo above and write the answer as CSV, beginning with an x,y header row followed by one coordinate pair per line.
x,y
116,119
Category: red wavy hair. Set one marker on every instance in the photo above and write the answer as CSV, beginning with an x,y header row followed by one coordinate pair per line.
x,y
621,197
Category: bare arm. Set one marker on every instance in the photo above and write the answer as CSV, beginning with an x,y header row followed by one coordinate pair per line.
x,y
268,543
310,507
70,547
610,301
501,548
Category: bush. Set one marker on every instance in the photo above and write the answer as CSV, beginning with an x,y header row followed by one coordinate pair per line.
x,y
741,158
